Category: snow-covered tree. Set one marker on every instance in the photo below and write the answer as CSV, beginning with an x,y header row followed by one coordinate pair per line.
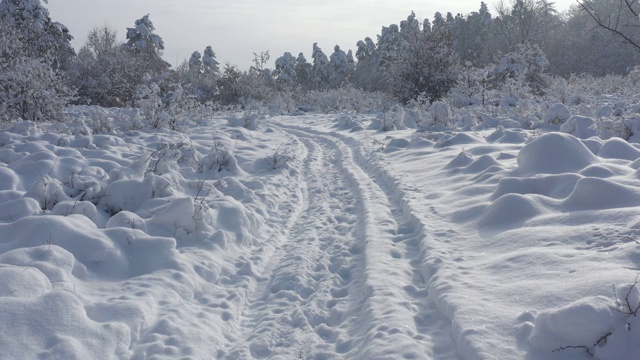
x,y
438,22
142,39
30,89
143,43
427,67
524,67
285,73
209,62
410,27
195,63
366,72
471,37
304,73
42,38
203,75
388,44
340,67
426,26
104,73
321,68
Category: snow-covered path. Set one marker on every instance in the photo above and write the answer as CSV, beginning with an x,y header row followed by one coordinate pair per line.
x,y
347,282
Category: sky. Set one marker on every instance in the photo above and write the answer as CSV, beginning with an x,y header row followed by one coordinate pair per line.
x,y
238,28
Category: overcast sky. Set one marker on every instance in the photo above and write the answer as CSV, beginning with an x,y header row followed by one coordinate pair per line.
x,y
238,28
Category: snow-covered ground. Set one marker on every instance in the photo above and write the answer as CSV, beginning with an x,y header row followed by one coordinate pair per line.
x,y
315,237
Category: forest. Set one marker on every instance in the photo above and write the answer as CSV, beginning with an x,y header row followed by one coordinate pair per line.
x,y
523,48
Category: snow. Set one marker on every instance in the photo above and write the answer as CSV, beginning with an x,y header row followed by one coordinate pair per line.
x,y
319,236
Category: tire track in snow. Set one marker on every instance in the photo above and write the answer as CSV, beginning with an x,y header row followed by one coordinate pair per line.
x,y
399,319
306,299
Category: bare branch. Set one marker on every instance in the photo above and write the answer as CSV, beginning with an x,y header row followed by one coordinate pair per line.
x,y
608,25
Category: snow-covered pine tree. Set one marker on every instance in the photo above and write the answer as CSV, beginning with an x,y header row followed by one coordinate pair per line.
x,y
321,68
195,63
471,35
209,62
388,44
427,67
439,23
42,38
352,65
285,73
340,68
29,87
143,43
426,26
304,72
366,69
203,75
523,69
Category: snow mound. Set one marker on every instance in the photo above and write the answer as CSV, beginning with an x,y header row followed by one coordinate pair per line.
x,y
579,126
595,194
581,323
64,331
616,148
557,186
457,139
463,159
346,122
504,136
480,164
557,114
509,211
554,153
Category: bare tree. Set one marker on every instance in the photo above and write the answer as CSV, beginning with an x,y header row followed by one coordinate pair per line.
x,y
617,16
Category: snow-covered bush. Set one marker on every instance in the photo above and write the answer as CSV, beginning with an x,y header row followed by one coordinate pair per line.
x,y
150,104
557,114
595,326
582,127
472,87
345,99
627,129
280,158
522,71
440,113
393,119
242,87
166,158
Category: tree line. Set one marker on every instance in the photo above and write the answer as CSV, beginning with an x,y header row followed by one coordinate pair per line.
x,y
517,44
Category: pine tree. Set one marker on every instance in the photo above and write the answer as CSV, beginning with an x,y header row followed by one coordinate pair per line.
x,y
321,68
285,73
340,68
366,71
203,75
209,62
426,68
30,89
195,63
43,39
143,43
304,73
